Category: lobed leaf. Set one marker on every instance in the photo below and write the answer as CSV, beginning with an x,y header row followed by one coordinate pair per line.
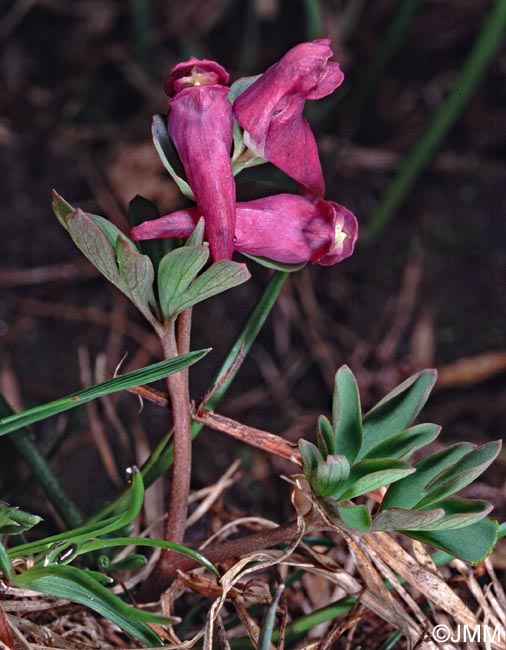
x,y
346,414
408,492
357,517
404,444
176,272
402,519
460,513
325,436
311,456
472,543
219,277
396,411
370,475
463,472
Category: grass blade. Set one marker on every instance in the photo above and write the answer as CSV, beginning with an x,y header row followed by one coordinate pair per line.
x,y
137,377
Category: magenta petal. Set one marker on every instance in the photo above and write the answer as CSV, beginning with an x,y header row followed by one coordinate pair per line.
x,y
194,72
291,229
200,124
270,111
177,225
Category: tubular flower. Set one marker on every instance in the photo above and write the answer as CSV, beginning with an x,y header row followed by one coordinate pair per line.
x,y
200,124
270,111
284,228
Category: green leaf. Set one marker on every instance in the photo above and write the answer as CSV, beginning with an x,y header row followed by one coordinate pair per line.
x,y
137,276
99,544
325,436
176,272
472,543
165,150
408,492
272,264
145,375
460,513
357,517
57,544
5,563
239,86
463,472
329,474
370,475
93,244
402,519
346,414
197,236
396,411
14,521
61,208
311,456
75,585
219,277
405,443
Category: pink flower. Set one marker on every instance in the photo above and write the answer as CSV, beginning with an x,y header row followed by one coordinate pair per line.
x,y
200,124
270,111
285,228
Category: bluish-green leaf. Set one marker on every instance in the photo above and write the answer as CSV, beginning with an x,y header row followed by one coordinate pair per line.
x,y
165,150
311,456
176,272
472,543
197,236
325,436
137,275
239,86
357,517
459,513
329,474
346,414
396,411
370,475
408,492
75,585
463,472
273,264
402,519
93,244
61,208
219,277
405,443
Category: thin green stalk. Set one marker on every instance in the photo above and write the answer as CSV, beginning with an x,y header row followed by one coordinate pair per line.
x,y
42,472
484,49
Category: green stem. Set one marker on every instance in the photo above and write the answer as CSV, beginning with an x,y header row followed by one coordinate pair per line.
x,y
486,45
41,470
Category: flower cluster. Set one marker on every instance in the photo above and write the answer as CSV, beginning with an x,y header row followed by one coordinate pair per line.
x,y
285,228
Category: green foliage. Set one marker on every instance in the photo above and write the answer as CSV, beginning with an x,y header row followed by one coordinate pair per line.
x,y
14,521
357,454
145,375
52,574
165,149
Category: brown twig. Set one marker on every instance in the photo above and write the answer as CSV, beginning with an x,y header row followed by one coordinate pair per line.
x,y
255,437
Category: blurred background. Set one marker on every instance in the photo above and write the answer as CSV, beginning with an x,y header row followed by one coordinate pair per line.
x,y
414,143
